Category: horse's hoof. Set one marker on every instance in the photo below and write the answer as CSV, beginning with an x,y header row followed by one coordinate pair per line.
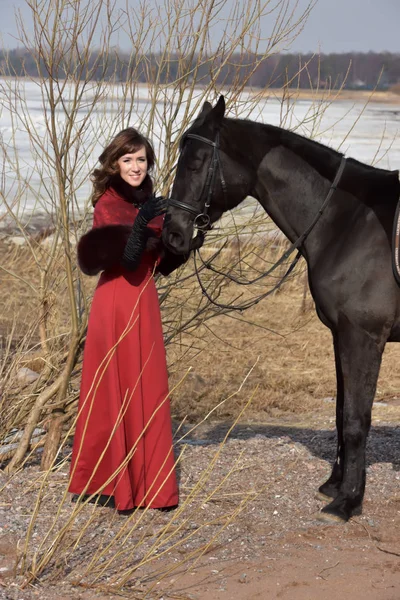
x,y
329,518
323,497
329,490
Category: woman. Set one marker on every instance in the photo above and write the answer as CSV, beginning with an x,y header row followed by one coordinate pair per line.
x,y
122,448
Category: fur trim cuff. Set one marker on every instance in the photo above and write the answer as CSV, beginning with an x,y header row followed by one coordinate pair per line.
x,y
102,248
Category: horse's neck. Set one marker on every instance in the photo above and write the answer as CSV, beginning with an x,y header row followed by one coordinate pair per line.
x,y
291,191
293,174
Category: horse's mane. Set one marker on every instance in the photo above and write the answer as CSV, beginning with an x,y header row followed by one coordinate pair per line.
x,y
364,181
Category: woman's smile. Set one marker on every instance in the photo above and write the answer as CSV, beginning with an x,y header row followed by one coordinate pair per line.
x,y
133,167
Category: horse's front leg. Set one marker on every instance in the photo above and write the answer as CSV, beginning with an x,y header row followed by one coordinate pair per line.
x,y
330,488
360,360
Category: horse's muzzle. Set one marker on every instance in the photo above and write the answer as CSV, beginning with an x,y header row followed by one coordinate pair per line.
x,y
175,241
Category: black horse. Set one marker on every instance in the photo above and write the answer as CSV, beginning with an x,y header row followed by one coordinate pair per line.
x,y
340,214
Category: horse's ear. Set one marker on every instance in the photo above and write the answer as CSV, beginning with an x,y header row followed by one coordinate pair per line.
x,y
206,108
219,110
212,115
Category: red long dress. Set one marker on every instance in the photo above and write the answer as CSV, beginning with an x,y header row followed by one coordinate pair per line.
x,y
123,440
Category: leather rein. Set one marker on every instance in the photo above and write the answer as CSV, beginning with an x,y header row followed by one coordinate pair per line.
x,y
202,223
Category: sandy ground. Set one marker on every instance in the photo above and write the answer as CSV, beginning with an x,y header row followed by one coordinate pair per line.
x,y
274,548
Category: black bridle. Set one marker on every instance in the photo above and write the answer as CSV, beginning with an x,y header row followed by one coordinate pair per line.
x,y
202,223
202,220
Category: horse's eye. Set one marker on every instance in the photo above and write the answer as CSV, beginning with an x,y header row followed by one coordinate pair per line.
x,y
195,165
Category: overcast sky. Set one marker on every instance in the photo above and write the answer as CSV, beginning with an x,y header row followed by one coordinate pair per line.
x,y
333,26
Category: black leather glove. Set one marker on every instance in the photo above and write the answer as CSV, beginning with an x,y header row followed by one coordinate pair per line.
x,y
153,207
136,244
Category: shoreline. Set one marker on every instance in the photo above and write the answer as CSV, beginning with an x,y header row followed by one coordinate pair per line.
x,y
316,95
363,96
36,224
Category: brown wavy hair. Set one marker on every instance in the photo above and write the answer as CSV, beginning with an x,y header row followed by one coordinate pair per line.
x,y
126,141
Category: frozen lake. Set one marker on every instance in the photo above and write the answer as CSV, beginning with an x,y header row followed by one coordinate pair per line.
x,y
370,134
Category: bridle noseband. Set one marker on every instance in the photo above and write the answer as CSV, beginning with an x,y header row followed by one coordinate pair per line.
x,y
202,220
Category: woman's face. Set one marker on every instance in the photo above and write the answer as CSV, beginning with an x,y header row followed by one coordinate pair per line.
x,y
133,167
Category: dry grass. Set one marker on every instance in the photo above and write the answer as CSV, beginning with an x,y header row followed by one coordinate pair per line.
x,y
295,372
282,336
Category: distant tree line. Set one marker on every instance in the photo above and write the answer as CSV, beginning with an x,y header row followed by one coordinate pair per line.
x,y
353,70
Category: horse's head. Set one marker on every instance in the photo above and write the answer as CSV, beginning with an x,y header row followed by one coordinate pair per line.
x,y
208,180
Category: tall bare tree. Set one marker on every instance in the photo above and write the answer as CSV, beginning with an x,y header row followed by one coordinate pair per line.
x,y
75,106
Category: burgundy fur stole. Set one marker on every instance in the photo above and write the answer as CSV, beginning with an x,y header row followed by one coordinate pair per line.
x,y
103,247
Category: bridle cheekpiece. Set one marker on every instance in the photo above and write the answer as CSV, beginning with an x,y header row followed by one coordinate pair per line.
x,y
202,219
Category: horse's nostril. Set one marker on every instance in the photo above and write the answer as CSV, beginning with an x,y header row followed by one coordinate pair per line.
x,y
175,239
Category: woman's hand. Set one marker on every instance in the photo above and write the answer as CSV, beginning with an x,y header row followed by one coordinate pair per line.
x,y
153,207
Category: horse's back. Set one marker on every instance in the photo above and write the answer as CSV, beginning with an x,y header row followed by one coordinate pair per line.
x,y
371,184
